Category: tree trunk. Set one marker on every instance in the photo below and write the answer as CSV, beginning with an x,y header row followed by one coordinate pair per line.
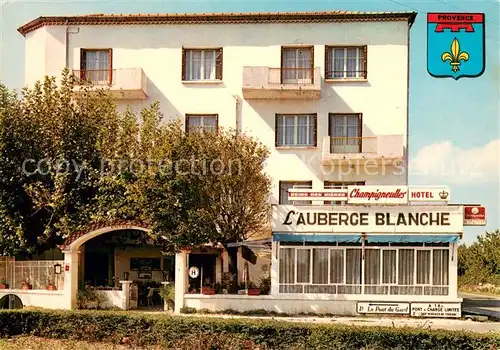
x,y
232,254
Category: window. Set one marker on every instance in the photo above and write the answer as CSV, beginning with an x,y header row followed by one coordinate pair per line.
x,y
345,62
345,133
201,64
201,123
297,65
339,269
286,185
296,130
331,185
138,264
96,66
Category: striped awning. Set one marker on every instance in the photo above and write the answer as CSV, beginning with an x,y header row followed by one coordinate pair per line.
x,y
287,237
412,238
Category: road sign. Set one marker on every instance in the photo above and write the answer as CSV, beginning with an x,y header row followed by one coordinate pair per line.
x,y
436,309
194,272
373,307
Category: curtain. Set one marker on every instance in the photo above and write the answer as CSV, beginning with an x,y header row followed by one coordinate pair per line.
x,y
406,267
285,186
209,123
287,265
336,266
423,267
440,267
320,266
97,66
372,266
353,266
389,266
208,65
296,64
345,131
303,266
338,63
302,130
193,64
289,130
351,62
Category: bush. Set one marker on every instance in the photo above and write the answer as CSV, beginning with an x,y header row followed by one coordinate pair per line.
x,y
203,333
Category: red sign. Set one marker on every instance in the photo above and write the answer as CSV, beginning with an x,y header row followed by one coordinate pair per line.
x,y
474,215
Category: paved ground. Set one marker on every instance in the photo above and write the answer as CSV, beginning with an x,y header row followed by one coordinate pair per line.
x,y
429,323
481,304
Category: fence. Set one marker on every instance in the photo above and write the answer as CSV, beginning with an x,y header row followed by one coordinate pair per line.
x,y
36,273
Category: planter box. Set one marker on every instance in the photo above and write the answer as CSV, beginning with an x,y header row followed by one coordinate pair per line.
x,y
51,288
27,286
253,291
4,286
208,291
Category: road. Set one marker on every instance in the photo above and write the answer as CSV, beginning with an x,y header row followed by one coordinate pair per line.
x,y
481,304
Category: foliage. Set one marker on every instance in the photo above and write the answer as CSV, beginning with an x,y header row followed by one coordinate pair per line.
x,y
185,332
479,263
167,293
70,162
88,297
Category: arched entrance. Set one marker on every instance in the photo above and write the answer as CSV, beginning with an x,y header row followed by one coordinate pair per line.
x,y
11,301
73,258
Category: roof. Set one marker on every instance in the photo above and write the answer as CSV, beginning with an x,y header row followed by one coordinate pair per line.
x,y
217,18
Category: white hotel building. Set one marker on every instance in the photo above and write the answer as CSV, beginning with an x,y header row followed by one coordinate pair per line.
x,y
327,92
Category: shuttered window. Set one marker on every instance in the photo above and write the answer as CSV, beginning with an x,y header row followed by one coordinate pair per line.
x,y
201,64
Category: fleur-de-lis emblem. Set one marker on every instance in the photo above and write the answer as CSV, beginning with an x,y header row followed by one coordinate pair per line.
x,y
455,56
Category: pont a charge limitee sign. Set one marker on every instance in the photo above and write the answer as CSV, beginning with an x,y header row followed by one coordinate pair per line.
x,y
436,309
374,219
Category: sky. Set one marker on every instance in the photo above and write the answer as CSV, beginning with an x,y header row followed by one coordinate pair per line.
x,y
454,124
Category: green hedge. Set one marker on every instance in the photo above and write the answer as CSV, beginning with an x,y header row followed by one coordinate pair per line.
x,y
212,333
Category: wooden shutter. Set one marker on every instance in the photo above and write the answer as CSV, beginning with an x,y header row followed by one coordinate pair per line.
x,y
276,130
110,67
282,64
328,68
218,64
365,62
83,63
312,64
183,77
360,132
315,118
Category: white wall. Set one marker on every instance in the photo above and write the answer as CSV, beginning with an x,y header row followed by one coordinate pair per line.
x,y
122,262
38,298
157,50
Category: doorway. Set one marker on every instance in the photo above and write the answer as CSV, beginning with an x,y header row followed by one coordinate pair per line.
x,y
206,267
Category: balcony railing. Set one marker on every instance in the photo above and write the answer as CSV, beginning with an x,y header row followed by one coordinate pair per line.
x,y
363,148
123,83
94,76
281,83
298,76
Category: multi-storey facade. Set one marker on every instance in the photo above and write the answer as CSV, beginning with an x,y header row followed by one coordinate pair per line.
x,y
326,92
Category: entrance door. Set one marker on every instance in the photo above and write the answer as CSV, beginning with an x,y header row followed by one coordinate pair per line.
x,y
206,265
96,268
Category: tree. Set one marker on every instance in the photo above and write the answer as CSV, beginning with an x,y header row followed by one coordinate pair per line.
x,y
55,175
214,190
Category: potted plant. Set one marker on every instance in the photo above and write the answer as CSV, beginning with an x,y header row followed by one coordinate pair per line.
x,y
50,286
167,293
26,285
208,289
253,289
3,283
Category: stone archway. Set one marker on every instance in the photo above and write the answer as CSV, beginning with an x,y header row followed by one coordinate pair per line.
x,y
71,251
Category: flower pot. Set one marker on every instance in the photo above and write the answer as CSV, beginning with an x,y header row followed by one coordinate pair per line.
x,y
27,286
51,287
208,291
4,286
253,291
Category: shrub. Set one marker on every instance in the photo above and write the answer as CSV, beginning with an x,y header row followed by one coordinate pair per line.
x,y
211,333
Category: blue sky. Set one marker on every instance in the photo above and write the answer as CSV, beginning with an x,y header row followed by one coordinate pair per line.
x,y
454,125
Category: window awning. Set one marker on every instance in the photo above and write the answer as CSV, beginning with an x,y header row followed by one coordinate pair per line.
x,y
286,237
412,238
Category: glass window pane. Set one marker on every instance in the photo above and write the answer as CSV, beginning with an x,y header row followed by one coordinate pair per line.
x,y
303,265
423,266
406,267
338,63
372,266
320,266
336,266
353,266
287,265
440,266
209,65
389,266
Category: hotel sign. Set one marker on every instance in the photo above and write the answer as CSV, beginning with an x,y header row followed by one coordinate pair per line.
x,y
474,216
372,219
374,194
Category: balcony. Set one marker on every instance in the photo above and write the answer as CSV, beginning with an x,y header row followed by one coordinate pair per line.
x,y
123,83
281,83
382,150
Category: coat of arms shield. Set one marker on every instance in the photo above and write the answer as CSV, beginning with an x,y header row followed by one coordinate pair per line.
x,y
455,45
